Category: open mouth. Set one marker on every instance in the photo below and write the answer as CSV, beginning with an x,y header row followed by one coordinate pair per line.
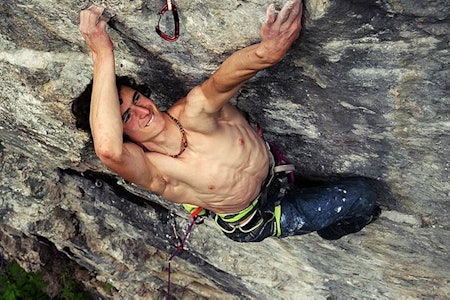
x,y
152,116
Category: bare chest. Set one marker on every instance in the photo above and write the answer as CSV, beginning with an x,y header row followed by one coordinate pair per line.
x,y
222,171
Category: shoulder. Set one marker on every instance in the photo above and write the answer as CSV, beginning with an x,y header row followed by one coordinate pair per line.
x,y
206,99
196,102
193,113
190,106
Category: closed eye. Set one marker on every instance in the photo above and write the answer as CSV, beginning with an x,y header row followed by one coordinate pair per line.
x,y
136,97
126,116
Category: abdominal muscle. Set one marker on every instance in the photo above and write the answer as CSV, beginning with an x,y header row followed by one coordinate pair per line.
x,y
222,172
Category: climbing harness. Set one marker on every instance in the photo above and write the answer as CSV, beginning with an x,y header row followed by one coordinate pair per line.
x,y
169,6
282,164
181,241
253,222
262,217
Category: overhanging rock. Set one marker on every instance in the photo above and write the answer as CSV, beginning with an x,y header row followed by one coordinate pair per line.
x,y
364,92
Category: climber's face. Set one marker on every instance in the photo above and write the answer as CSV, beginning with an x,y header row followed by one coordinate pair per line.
x,y
141,118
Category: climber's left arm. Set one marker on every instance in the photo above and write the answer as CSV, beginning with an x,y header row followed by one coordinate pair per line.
x,y
278,33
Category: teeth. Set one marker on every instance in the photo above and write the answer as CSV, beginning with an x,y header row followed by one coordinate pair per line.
x,y
149,121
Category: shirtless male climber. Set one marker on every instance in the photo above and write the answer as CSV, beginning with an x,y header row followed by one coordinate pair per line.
x,y
237,178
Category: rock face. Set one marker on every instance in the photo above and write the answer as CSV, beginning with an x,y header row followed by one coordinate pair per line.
x,y
364,91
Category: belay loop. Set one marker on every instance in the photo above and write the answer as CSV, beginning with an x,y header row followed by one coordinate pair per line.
x,y
169,6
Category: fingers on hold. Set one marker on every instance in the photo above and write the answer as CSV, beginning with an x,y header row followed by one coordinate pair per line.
x,y
300,8
92,12
96,8
102,22
270,14
291,12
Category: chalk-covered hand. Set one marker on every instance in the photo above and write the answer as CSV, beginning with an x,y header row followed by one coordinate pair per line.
x,y
93,29
279,31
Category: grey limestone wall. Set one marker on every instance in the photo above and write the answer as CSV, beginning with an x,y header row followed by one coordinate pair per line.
x,y
363,92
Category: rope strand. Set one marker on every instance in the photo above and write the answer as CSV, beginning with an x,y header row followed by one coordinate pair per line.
x,y
180,246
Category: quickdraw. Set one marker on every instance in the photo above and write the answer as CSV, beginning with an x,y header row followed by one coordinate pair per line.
x,y
180,245
169,6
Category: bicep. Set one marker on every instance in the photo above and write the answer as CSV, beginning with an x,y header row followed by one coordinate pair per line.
x,y
207,98
217,92
134,166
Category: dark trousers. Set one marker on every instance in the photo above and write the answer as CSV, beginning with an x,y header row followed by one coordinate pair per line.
x,y
305,210
312,209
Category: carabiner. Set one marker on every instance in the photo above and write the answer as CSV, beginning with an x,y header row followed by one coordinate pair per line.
x,y
162,11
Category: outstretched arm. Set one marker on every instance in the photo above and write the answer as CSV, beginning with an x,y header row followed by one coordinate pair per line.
x,y
126,159
278,32
104,118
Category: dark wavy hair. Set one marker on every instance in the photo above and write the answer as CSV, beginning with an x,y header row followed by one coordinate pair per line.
x,y
81,106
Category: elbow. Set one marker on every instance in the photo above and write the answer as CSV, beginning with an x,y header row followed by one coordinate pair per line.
x,y
108,155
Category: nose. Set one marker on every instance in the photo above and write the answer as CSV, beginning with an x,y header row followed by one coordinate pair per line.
x,y
139,111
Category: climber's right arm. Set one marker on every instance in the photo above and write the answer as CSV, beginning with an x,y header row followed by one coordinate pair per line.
x,y
105,117
126,159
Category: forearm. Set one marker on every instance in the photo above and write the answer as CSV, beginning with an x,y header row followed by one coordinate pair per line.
x,y
278,33
238,68
229,77
106,123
